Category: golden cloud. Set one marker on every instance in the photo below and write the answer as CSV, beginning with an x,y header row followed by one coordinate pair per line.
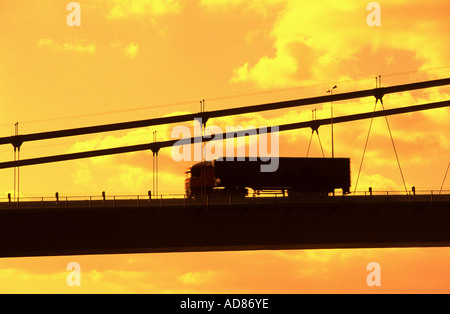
x,y
87,48
131,50
313,41
125,8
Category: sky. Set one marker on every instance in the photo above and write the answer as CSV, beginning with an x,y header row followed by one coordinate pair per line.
x,y
131,60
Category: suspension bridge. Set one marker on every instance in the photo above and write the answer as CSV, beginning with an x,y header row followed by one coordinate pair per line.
x,y
106,224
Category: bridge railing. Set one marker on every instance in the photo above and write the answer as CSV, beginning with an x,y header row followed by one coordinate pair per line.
x,y
163,200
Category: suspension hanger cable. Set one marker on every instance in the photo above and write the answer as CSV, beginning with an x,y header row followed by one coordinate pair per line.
x,y
365,147
445,177
315,129
378,84
320,143
310,140
395,150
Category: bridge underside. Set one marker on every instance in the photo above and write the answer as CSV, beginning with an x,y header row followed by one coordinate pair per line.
x,y
105,229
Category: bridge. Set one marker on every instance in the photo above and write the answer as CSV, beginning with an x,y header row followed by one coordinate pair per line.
x,y
121,225
142,224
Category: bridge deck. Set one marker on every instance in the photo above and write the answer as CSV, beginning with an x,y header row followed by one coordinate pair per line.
x,y
50,228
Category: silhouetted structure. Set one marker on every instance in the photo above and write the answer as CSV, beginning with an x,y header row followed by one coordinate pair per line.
x,y
295,176
148,226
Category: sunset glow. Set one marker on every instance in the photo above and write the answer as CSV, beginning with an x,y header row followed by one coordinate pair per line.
x,y
132,60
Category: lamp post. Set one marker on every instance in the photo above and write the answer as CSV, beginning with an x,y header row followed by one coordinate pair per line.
x,y
332,127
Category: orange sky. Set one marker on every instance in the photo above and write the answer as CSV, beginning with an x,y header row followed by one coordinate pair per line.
x,y
132,60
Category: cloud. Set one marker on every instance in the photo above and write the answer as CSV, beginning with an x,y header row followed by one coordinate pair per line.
x,y
296,271
416,147
131,50
128,173
268,72
196,278
82,175
325,40
259,6
120,9
88,48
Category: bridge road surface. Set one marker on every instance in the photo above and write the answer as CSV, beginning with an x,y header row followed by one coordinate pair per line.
x,y
50,228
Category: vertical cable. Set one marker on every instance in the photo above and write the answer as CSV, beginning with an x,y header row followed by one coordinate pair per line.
x,y
15,171
315,129
16,168
153,168
18,176
310,140
320,143
445,177
365,148
202,161
395,150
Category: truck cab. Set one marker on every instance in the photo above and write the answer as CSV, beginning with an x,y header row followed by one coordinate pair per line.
x,y
200,179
